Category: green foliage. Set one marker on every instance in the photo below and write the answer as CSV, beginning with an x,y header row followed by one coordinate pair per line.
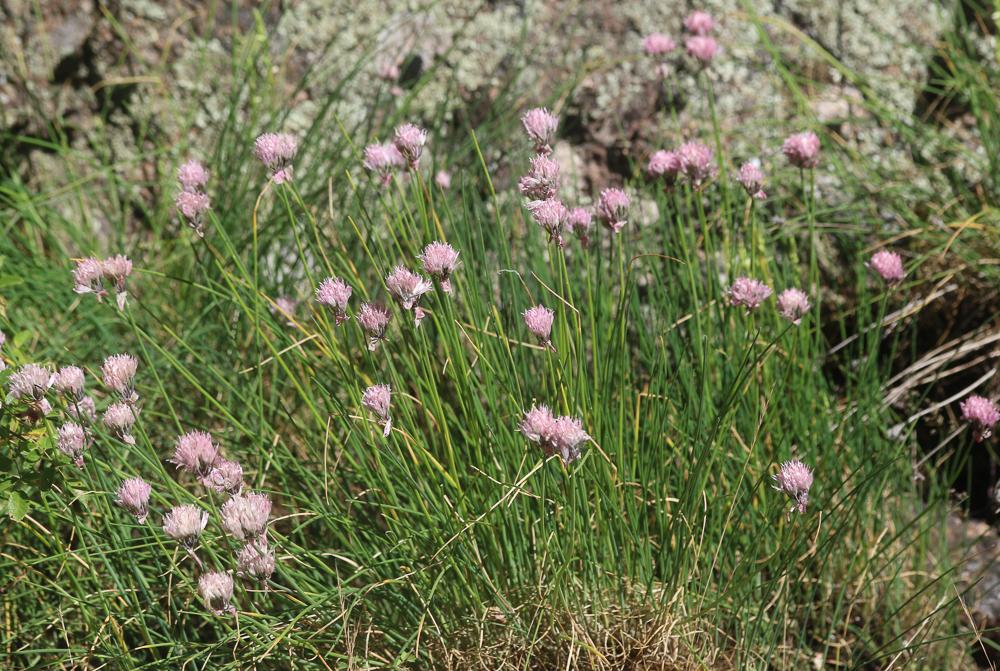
x,y
453,539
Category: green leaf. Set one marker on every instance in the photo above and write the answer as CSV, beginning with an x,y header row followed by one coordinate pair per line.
x,y
17,507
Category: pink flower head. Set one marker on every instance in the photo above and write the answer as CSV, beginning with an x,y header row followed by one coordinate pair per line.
x,y
192,176
195,452
82,410
443,179
72,441
244,516
118,419
794,480
118,372
409,140
373,318
793,304
665,164
699,23
696,163
276,151
217,591
551,215
88,276
377,399
537,423
225,476
407,287
982,413
888,265
440,260
69,382
539,322
133,496
192,205
802,149
383,160
579,222
334,293
612,209
657,44
555,435
255,561
542,180
117,269
184,524
748,293
751,178
541,125
31,382
702,48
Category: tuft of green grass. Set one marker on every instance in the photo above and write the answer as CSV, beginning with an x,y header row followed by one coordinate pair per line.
x,y
453,542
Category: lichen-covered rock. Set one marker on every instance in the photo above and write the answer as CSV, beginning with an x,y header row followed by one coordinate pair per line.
x,y
439,58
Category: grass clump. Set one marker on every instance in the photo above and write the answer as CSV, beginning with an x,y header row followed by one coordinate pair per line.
x,y
414,517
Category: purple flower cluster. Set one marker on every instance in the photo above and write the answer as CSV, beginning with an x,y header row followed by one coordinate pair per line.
x,y
276,151
90,274
555,435
192,201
